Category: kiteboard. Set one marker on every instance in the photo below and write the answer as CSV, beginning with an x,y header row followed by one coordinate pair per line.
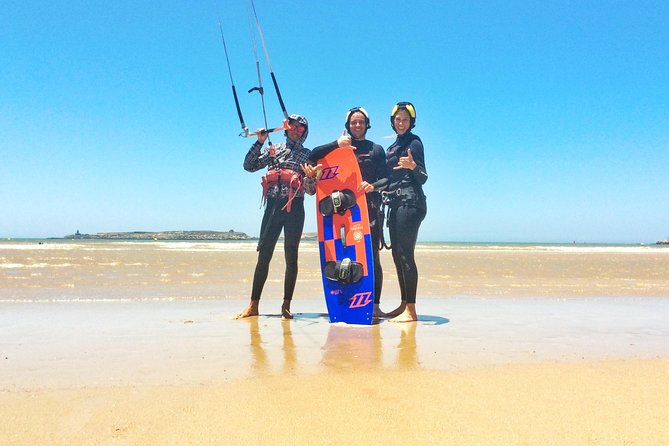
x,y
344,239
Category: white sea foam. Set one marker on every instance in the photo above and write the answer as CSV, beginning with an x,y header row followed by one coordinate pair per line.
x,y
34,265
39,247
571,249
206,246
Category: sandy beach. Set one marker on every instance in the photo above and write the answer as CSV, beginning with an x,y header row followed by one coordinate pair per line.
x,y
113,343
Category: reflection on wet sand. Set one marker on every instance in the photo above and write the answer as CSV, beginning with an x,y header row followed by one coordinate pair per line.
x,y
309,343
345,348
289,354
259,363
349,347
407,355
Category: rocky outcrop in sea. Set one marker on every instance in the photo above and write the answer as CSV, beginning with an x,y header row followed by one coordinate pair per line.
x,y
161,235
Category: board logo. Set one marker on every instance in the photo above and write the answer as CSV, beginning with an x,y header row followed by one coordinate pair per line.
x,y
360,299
329,173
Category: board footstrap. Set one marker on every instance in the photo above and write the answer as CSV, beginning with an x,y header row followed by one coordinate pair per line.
x,y
337,202
344,272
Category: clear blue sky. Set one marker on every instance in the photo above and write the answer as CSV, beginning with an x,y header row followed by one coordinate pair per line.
x,y
542,120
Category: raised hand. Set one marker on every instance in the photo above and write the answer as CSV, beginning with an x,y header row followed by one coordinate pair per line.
x,y
344,140
262,135
406,162
309,170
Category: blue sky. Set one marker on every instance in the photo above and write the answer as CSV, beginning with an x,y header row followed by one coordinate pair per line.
x,y
542,121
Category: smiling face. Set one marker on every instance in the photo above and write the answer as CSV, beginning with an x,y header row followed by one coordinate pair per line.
x,y
358,125
295,131
402,121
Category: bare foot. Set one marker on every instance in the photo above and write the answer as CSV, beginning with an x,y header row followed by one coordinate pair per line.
x,y
378,314
397,311
250,310
408,315
285,310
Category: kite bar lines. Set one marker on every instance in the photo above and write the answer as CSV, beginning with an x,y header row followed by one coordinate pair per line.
x,y
245,131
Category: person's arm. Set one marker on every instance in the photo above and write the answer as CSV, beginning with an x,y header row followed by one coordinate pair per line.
x,y
254,159
419,172
414,162
380,168
320,151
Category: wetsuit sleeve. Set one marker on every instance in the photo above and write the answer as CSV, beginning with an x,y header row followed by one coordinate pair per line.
x,y
320,151
380,168
420,172
254,160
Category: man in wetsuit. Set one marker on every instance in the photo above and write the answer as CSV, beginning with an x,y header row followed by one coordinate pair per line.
x,y
372,162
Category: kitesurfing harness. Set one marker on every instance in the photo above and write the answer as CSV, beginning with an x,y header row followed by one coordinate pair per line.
x,y
390,200
282,183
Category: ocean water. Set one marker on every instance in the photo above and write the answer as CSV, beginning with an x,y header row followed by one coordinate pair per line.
x,y
97,270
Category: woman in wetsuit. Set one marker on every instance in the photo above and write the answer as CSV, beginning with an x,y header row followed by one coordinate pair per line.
x,y
284,187
407,205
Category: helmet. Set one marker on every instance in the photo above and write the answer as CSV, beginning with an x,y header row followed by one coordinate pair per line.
x,y
408,106
299,119
350,113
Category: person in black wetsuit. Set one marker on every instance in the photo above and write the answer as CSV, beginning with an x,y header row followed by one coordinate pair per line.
x,y
406,203
284,187
372,162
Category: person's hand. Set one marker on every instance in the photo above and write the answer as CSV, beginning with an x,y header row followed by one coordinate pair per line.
x,y
309,170
366,187
262,135
406,162
344,140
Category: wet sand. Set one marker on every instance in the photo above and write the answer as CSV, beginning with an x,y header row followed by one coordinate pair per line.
x,y
135,344
471,371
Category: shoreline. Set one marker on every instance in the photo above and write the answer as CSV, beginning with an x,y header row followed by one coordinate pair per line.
x,y
66,344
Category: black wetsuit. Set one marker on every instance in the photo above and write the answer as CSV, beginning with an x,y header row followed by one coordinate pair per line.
x,y
372,162
408,207
276,218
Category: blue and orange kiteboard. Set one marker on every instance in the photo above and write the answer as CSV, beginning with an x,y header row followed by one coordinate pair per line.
x,y
344,239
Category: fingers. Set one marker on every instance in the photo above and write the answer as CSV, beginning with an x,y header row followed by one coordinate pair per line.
x,y
310,170
344,141
366,187
406,162
307,169
262,134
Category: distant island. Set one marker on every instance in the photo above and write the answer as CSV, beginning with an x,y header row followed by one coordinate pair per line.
x,y
161,235
662,242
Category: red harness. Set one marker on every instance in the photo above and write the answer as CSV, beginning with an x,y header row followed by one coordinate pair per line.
x,y
282,177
